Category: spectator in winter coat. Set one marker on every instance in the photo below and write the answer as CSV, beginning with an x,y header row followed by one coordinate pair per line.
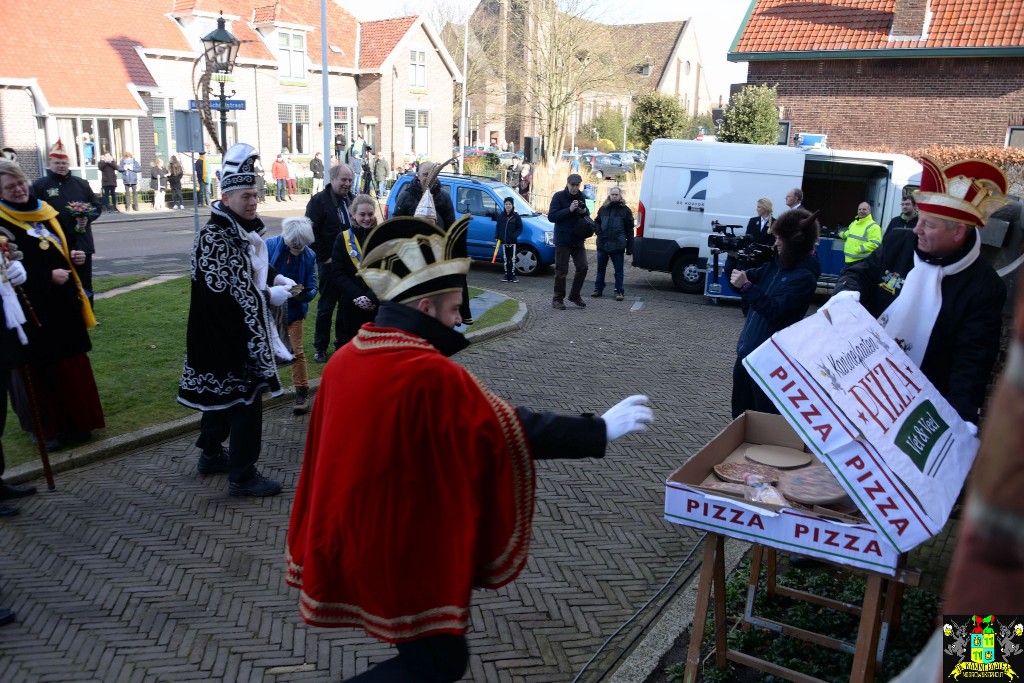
x,y
279,171
108,182
158,183
381,171
567,211
357,304
175,172
289,254
614,238
507,232
130,169
316,166
779,294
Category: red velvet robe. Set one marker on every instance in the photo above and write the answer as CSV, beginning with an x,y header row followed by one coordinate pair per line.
x,y
405,504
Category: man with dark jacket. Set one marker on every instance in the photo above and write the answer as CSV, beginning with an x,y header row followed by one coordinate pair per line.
x,y
569,212
931,290
907,219
329,212
506,233
57,188
108,182
316,165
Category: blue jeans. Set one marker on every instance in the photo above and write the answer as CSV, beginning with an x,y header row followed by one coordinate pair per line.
x,y
602,264
381,186
282,188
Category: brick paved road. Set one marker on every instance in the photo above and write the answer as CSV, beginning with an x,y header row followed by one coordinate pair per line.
x,y
137,569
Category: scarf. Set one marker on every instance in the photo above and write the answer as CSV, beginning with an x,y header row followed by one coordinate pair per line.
x,y
910,318
31,221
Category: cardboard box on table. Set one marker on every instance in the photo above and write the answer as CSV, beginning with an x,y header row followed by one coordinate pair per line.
x,y
848,394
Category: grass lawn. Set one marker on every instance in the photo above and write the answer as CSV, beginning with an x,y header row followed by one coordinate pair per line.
x,y
137,354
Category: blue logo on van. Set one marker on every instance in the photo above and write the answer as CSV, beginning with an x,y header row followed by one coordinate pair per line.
x,y
698,185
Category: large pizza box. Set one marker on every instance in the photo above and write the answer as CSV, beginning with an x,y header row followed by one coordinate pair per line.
x,y
820,533
861,407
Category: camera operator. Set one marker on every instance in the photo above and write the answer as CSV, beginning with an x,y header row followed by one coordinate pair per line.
x,y
759,231
778,294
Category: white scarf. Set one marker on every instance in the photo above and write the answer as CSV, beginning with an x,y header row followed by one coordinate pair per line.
x,y
13,313
910,318
260,258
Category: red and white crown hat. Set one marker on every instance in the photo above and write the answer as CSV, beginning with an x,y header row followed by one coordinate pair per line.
x,y
965,191
58,150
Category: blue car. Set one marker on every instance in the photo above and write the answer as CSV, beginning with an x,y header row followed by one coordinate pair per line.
x,y
484,199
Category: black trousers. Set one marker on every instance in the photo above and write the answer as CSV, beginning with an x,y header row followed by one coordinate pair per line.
x,y
510,260
244,424
85,275
434,659
579,262
746,395
5,380
325,317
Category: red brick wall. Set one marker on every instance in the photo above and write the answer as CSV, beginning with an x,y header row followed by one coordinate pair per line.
x,y
901,103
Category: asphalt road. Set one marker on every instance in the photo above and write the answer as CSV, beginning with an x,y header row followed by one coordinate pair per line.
x,y
129,244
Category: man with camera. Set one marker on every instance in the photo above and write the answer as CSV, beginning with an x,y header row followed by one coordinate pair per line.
x,y
571,217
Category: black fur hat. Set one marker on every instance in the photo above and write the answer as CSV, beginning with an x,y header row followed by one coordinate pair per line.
x,y
797,229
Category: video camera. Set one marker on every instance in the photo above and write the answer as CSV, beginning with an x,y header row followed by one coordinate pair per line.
x,y
745,250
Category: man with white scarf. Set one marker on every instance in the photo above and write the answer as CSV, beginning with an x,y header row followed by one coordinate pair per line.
x,y
930,289
232,341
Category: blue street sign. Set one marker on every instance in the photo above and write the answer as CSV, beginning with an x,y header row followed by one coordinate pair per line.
x,y
229,105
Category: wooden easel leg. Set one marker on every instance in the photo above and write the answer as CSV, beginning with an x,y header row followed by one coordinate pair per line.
x,y
712,545
867,634
772,571
721,627
755,576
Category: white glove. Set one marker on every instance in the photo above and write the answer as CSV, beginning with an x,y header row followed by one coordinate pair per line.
x,y
630,415
845,294
279,294
281,280
15,273
363,302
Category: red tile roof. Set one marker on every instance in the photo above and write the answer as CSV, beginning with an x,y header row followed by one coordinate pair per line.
x,y
824,25
94,54
380,39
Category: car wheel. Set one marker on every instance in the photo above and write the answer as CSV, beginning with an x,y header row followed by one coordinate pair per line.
x,y
527,260
687,275
599,175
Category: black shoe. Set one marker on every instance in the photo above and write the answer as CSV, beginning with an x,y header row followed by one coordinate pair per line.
x,y
619,296
515,279
6,616
8,510
558,305
11,491
51,444
595,294
467,321
257,485
578,301
319,356
213,463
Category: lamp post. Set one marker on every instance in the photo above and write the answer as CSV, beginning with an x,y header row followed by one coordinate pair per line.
x,y
221,50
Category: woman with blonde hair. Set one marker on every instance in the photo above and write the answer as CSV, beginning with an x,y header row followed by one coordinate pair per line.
x,y
357,304
759,228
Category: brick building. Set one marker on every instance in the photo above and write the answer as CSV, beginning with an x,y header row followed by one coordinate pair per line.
x,y
891,73
109,76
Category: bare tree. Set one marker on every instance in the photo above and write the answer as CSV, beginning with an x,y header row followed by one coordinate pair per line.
x,y
557,52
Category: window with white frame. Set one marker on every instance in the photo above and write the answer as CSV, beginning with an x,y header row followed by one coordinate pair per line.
x,y
291,58
417,132
294,121
417,69
1015,136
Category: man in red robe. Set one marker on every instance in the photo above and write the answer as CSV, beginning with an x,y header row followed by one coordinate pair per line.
x,y
418,482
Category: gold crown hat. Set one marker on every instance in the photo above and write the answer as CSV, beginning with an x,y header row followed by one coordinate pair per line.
x,y
58,150
408,258
238,171
965,191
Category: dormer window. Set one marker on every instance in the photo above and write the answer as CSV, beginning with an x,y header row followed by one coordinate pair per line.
x,y
291,54
643,69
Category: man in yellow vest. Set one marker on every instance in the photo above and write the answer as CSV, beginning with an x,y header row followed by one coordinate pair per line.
x,y
863,236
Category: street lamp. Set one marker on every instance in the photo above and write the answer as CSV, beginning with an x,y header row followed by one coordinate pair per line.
x,y
221,50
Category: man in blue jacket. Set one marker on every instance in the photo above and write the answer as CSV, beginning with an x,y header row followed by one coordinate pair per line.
x,y
569,213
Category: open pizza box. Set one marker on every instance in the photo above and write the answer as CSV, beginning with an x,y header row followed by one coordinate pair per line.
x,y
848,394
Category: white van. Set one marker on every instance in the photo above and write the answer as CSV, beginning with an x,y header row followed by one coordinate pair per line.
x,y
688,184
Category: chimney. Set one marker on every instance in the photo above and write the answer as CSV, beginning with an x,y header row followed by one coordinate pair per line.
x,y
910,19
